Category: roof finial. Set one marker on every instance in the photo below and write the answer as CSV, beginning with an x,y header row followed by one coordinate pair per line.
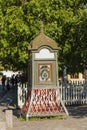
x,y
41,28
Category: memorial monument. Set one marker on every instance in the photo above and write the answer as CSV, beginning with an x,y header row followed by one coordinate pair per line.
x,y
43,97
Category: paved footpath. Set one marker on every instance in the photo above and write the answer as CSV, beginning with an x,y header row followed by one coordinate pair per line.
x,y
76,121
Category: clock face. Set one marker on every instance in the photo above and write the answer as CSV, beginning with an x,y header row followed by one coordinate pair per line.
x,y
45,73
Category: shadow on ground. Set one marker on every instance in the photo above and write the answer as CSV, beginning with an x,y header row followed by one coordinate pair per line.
x,y
79,111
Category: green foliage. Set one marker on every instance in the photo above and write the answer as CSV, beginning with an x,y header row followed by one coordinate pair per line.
x,y
64,21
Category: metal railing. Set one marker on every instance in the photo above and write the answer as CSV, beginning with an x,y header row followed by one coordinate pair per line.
x,y
21,94
71,93
74,93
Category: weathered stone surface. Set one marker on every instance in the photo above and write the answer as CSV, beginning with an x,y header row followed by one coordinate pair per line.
x,y
9,118
2,126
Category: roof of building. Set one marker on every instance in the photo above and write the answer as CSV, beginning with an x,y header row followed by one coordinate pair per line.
x,y
42,40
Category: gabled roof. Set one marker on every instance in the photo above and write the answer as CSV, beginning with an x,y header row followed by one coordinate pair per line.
x,y
42,40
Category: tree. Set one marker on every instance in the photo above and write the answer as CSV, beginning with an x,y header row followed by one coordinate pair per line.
x,y
64,21
13,40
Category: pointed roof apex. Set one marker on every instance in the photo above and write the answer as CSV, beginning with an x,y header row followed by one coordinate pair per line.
x,y
42,28
42,40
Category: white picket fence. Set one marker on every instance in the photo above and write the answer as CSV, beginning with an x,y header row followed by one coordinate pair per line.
x,y
21,94
71,94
